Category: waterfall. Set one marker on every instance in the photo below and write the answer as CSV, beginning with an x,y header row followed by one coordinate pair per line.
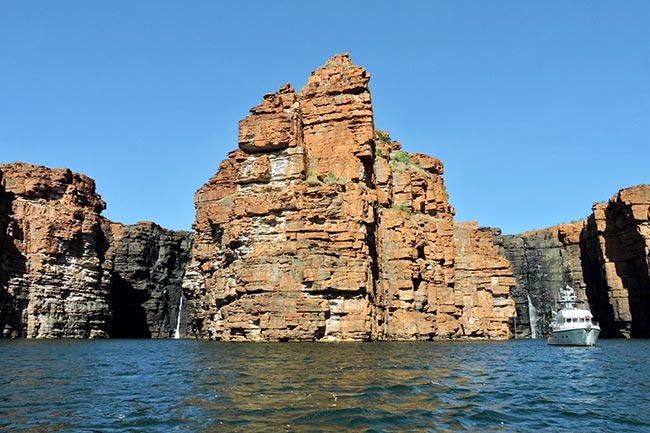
x,y
177,333
532,317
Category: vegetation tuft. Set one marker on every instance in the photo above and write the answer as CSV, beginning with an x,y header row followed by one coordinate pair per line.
x,y
404,207
383,136
330,178
228,200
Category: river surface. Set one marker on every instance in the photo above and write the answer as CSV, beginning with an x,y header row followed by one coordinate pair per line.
x,y
201,386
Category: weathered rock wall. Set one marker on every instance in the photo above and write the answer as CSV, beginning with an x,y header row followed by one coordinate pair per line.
x,y
604,257
543,261
282,249
415,247
616,260
52,283
318,227
65,271
484,281
146,264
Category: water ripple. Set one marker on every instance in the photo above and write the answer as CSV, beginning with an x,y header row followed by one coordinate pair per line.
x,y
197,386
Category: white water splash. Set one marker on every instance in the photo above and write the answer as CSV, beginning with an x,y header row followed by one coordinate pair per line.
x,y
177,333
532,316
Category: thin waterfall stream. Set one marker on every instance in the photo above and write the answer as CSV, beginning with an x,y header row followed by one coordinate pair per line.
x,y
177,332
532,317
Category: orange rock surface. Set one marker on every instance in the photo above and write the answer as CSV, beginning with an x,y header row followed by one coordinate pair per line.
x,y
52,280
319,227
616,240
603,257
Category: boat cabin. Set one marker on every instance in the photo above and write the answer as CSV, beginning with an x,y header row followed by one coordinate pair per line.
x,y
575,317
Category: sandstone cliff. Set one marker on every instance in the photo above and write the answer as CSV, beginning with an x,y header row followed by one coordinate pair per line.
x,y
319,227
65,271
146,265
616,262
604,257
52,280
484,280
543,261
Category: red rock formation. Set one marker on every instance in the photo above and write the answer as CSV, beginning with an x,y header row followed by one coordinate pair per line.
x,y
484,280
415,247
616,243
52,276
319,228
65,271
604,257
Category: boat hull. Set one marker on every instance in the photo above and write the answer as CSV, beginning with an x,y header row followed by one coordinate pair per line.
x,y
574,337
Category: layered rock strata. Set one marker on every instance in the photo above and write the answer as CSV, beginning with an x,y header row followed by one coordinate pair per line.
x,y
543,261
65,271
146,264
52,282
604,257
484,281
616,262
319,227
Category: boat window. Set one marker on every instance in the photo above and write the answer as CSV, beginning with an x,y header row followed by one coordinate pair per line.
x,y
568,319
581,320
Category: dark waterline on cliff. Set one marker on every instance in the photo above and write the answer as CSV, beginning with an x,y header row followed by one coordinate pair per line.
x,y
200,386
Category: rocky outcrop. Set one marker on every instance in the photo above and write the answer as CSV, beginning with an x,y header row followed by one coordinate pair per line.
x,y
543,261
65,271
484,281
52,282
146,264
616,262
604,257
319,227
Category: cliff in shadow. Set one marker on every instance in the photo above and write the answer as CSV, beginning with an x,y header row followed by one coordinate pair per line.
x,y
616,262
146,265
604,257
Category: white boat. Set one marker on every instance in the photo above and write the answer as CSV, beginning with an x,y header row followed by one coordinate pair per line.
x,y
573,325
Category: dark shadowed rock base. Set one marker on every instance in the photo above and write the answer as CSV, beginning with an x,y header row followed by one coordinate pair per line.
x,y
604,257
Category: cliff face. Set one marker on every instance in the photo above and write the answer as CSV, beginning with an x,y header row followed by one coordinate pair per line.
x,y
65,271
52,280
616,245
484,280
604,257
543,261
146,265
319,227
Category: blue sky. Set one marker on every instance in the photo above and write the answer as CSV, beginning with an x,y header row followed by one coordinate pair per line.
x,y
536,108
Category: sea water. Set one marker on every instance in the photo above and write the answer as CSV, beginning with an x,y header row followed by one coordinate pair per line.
x,y
202,386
